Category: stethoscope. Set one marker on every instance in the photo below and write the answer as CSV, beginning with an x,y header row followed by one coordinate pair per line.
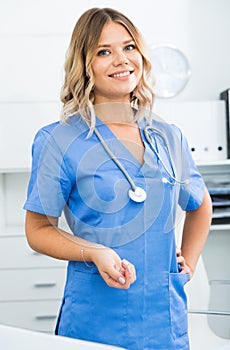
x,y
136,193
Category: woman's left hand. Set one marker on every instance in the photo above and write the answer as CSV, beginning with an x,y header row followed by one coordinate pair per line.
x,y
181,260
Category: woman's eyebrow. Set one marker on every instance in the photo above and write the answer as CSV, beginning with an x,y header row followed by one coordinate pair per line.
x,y
123,43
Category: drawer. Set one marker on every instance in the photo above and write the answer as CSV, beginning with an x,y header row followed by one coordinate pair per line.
x,y
219,295
16,253
35,315
216,254
34,284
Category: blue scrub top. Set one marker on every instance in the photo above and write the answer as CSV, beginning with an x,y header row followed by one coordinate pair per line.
x,y
73,173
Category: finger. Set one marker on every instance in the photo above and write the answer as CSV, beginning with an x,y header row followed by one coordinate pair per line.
x,y
117,282
185,270
116,273
130,270
122,284
178,251
126,264
180,260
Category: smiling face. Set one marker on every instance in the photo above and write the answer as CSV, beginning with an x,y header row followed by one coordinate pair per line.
x,y
117,65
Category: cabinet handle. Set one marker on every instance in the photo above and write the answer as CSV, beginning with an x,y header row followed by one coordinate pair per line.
x,y
45,317
209,312
220,282
44,284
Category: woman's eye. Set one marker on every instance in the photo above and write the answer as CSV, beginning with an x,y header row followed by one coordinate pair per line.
x,y
103,52
130,47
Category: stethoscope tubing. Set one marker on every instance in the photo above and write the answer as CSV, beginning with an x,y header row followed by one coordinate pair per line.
x,y
136,193
116,161
150,141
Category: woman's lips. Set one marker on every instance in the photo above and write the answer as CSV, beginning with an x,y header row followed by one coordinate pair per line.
x,y
120,74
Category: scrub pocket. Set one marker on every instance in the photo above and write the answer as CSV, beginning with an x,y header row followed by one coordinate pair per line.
x,y
92,310
178,304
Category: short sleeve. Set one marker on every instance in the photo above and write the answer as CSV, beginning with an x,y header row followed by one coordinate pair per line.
x,y
192,192
49,184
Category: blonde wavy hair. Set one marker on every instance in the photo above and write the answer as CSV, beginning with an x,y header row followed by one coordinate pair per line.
x,y
77,92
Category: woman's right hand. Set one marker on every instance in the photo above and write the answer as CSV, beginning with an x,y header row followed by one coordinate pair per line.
x,y
116,273
44,236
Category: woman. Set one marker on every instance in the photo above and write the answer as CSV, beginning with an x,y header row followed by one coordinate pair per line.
x,y
125,279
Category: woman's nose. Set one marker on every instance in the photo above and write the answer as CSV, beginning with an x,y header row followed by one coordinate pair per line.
x,y
120,58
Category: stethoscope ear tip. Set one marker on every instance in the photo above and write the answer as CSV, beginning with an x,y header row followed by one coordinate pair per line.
x,y
164,180
186,182
174,182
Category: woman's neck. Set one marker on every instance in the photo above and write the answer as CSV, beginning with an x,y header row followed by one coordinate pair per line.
x,y
115,112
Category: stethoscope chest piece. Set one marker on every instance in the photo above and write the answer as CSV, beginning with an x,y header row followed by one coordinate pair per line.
x,y
139,195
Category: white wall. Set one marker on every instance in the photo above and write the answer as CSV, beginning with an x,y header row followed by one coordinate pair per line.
x,y
34,36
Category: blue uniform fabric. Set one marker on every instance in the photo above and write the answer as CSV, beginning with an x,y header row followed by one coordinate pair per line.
x,y
73,173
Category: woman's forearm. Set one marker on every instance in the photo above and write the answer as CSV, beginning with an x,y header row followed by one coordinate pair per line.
x,y
195,232
44,236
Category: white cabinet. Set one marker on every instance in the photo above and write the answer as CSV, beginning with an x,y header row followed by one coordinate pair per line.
x,y
16,254
31,284
216,254
34,315
39,284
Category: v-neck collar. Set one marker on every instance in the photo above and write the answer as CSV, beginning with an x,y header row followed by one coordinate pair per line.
x,y
108,134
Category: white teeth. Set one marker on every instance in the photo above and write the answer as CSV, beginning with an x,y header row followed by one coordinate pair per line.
x,y
124,74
